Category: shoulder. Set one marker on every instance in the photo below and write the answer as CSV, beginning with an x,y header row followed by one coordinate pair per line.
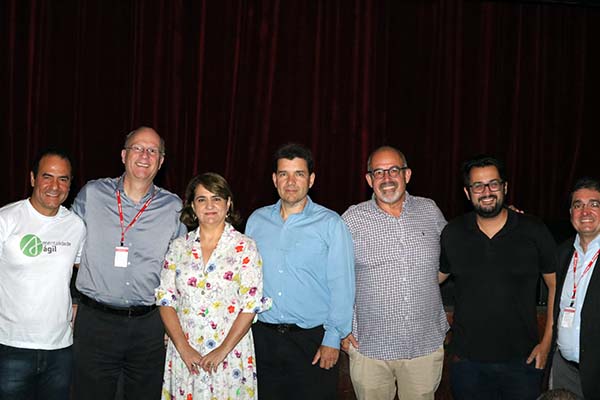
x,y
165,197
423,205
458,224
70,217
262,213
12,208
357,209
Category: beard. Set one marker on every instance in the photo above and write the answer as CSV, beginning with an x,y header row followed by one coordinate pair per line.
x,y
386,196
489,211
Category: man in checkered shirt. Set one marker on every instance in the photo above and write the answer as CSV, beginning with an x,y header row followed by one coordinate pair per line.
x,y
399,323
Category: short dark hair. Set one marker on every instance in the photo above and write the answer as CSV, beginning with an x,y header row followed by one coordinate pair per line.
x,y
50,151
291,151
481,161
585,182
214,183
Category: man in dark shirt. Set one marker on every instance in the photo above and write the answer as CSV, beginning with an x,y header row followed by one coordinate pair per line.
x,y
495,256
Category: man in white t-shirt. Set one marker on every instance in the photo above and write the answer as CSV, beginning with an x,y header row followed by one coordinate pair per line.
x,y
39,242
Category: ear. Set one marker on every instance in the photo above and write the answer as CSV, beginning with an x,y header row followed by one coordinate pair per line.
x,y
32,179
407,175
123,154
505,188
160,163
229,204
274,179
311,180
369,179
467,193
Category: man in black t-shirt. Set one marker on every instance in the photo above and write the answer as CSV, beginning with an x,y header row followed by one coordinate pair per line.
x,y
496,256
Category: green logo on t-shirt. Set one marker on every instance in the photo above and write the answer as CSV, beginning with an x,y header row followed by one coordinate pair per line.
x,y
31,245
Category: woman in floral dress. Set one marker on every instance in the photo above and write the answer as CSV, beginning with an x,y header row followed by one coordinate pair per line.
x,y
209,294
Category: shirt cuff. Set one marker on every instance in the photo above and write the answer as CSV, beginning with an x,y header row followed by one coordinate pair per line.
x,y
331,339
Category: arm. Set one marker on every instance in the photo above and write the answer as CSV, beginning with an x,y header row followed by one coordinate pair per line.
x,y
188,354
540,352
238,330
340,280
442,277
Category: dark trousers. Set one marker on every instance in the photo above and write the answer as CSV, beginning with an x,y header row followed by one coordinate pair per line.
x,y
513,380
28,374
283,364
565,375
107,346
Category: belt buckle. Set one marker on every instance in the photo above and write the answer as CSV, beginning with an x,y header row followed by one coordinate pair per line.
x,y
283,328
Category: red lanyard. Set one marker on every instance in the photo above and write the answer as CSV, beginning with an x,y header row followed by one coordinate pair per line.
x,y
134,220
585,271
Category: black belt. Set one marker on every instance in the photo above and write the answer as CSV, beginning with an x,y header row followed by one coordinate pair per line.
x,y
571,363
285,328
135,311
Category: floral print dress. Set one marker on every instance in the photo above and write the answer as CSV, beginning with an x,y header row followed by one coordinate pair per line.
x,y
208,299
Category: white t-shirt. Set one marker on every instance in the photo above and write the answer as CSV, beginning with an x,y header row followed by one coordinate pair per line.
x,y
37,254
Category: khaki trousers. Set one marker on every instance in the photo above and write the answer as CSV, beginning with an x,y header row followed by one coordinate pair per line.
x,y
414,379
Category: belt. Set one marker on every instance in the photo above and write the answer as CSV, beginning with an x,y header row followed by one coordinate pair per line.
x,y
135,311
282,328
571,363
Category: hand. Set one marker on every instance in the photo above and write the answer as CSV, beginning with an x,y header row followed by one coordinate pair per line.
x,y
540,355
73,315
349,340
191,358
212,360
328,357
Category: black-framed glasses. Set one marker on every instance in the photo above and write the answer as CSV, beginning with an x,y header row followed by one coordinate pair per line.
x,y
393,172
494,186
152,151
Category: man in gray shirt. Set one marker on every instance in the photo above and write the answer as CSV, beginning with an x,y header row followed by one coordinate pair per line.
x,y
130,222
399,322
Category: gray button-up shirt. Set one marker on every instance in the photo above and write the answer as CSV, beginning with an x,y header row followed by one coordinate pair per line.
x,y
148,240
398,312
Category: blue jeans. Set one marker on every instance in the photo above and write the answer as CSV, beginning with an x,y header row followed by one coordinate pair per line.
x,y
35,374
511,380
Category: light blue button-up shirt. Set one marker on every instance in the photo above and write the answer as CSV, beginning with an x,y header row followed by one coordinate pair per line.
x,y
568,338
308,268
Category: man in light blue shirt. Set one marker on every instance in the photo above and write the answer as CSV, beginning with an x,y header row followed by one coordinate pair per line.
x,y
576,364
309,273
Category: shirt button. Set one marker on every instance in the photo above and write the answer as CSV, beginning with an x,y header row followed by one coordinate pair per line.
x,y
127,283
279,294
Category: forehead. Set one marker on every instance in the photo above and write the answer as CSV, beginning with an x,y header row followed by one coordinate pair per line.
x,y
385,158
484,174
295,164
585,195
145,136
55,165
202,191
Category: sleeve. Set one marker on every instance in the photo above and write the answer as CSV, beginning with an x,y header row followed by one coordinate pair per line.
x,y
444,263
78,206
547,251
251,283
180,228
340,280
166,292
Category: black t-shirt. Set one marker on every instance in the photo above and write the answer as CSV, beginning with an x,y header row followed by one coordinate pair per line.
x,y
495,317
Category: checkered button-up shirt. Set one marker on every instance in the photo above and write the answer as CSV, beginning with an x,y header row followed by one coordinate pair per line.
x,y
398,313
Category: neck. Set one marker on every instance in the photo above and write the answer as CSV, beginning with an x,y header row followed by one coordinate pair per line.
x,y
135,189
584,241
394,209
47,212
288,209
491,226
211,233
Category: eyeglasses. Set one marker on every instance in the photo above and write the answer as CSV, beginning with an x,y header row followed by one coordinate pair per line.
x,y
494,186
393,172
152,151
580,205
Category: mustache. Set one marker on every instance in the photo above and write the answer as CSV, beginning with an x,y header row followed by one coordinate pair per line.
x,y
385,185
489,196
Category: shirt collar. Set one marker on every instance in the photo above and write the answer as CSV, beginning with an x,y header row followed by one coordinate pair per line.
x,y
407,205
120,187
592,246
511,222
305,211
